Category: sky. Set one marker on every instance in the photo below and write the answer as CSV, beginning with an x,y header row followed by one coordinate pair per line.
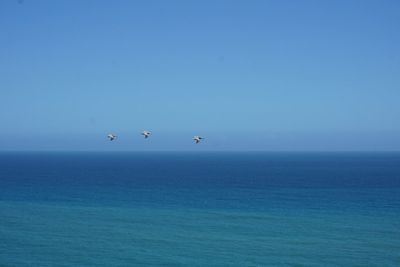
x,y
246,75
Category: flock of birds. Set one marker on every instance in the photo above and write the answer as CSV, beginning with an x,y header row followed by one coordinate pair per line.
x,y
146,134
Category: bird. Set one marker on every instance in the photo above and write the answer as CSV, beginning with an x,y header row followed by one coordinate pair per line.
x,y
197,138
146,134
111,136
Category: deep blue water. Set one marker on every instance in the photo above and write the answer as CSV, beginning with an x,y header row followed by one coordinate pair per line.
x,y
199,209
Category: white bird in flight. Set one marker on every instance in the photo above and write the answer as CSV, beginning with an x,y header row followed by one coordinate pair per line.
x,y
197,138
111,136
146,134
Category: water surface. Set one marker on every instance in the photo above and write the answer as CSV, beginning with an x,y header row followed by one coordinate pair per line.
x,y
199,209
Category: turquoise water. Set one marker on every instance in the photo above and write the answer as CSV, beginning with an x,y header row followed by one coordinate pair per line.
x,y
176,209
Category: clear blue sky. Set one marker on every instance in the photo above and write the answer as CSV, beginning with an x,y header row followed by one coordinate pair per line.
x,y
248,75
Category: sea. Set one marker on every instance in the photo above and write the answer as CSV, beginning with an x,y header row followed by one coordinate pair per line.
x,y
199,209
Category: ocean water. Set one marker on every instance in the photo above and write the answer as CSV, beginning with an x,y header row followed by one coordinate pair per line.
x,y
199,209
